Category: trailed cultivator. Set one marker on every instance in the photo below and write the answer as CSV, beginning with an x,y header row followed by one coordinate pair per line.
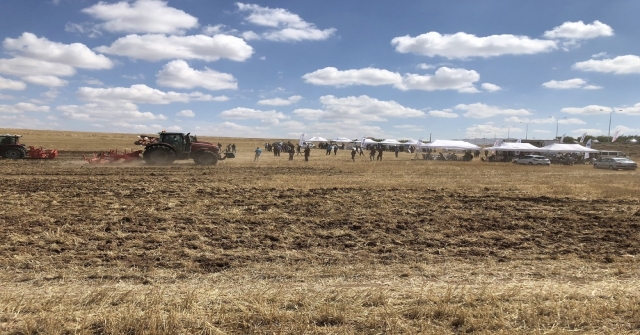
x,y
113,156
10,147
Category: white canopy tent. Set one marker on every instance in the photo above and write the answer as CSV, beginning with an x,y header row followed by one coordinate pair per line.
x,y
410,142
557,148
507,146
390,141
316,139
342,140
450,145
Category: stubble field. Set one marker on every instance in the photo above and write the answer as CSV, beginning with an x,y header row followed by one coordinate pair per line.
x,y
328,246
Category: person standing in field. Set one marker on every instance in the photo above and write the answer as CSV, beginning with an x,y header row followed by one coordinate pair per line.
x,y
397,150
372,154
257,156
353,154
307,152
361,151
298,150
335,149
379,158
291,152
329,150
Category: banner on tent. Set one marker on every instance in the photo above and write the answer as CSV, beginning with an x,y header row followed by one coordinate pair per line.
x,y
301,143
582,138
615,135
586,154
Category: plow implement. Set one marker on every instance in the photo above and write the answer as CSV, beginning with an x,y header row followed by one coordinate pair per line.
x,y
41,153
113,156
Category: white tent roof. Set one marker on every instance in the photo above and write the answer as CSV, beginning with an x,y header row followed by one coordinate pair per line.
x,y
410,142
316,139
369,141
342,139
451,145
559,148
390,141
506,146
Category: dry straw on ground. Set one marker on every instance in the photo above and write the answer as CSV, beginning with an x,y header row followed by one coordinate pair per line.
x,y
328,246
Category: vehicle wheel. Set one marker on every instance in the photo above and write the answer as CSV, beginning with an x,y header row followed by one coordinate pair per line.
x,y
595,166
206,158
611,167
15,153
530,163
159,155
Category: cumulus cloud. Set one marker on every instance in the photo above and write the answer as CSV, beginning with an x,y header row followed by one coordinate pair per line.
x,y
548,120
570,84
424,66
587,110
462,45
138,94
283,25
443,79
107,111
632,110
22,107
8,84
579,30
488,130
76,55
490,87
620,65
446,113
242,113
20,66
50,81
154,47
280,102
362,108
142,16
367,76
589,131
186,113
178,74
481,111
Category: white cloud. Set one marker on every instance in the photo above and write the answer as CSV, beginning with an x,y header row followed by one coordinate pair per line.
x,y
88,29
210,30
242,113
443,79
6,97
142,16
463,45
589,131
8,84
480,111
105,111
542,131
490,87
366,76
633,110
570,84
600,55
447,113
138,94
346,128
587,110
285,26
488,130
178,74
20,66
77,55
134,76
280,102
424,66
22,107
229,129
153,128
549,120
186,113
50,81
362,108
93,81
579,30
154,47
619,65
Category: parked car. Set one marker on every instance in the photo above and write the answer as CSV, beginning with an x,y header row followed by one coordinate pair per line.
x,y
615,163
532,160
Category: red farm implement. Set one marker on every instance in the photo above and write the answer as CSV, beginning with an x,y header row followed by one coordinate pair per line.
x,y
41,153
113,156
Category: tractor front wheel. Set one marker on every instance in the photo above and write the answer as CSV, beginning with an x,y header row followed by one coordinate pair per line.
x,y
15,153
159,155
206,158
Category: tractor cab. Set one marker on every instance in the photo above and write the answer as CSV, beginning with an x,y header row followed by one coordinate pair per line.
x,y
9,139
181,142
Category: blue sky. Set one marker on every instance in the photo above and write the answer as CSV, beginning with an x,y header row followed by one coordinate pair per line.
x,y
387,69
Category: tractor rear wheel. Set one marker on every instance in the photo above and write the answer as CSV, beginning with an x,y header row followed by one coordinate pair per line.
x,y
206,158
15,153
159,155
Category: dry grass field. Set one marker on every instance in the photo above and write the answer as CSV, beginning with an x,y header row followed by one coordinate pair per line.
x,y
328,246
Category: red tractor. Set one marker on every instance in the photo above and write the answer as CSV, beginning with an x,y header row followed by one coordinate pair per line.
x,y
168,147
10,147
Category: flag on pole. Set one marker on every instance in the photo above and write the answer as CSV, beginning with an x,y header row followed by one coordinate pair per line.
x,y
586,154
301,143
419,142
519,140
582,138
615,135
562,138
362,143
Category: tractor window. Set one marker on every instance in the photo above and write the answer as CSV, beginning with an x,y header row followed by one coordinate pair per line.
x,y
7,140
